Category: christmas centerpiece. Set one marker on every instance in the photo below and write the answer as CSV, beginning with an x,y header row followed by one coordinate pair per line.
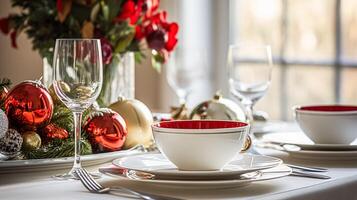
x,y
34,124
127,29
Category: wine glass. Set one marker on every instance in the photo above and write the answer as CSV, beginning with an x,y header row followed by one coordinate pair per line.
x,y
78,77
183,70
248,80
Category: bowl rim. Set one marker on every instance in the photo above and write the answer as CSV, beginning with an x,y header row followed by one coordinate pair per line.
x,y
155,128
308,109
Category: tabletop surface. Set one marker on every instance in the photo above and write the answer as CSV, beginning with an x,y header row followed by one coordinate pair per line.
x,y
342,185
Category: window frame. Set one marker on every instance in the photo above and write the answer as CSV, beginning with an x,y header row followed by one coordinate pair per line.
x,y
337,63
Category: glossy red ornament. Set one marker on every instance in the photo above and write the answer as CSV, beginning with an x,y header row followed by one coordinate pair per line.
x,y
29,105
53,131
107,131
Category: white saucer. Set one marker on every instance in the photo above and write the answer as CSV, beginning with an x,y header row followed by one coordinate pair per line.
x,y
159,166
325,155
272,173
301,140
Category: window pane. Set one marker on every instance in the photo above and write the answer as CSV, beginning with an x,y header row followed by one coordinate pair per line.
x,y
256,21
349,86
270,103
310,29
349,29
309,85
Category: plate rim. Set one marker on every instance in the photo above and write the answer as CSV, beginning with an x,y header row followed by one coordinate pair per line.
x,y
172,173
317,146
274,175
43,162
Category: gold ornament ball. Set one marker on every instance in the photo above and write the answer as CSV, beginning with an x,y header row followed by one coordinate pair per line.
x,y
53,94
138,119
31,140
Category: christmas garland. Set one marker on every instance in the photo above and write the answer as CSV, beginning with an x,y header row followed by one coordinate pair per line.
x,y
33,132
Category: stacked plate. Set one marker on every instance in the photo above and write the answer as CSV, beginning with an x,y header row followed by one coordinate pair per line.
x,y
156,169
309,149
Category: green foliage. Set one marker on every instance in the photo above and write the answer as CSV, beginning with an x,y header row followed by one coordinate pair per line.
x,y
63,117
5,82
58,149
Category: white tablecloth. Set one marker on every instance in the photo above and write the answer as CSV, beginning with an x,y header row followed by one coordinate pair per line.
x,y
343,185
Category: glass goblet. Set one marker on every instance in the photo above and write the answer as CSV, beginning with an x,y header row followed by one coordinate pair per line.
x,y
78,77
250,68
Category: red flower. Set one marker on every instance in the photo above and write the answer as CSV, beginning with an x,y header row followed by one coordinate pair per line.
x,y
129,11
59,5
139,32
157,28
13,39
107,51
4,25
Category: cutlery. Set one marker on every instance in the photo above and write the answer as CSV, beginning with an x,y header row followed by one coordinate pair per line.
x,y
308,168
309,175
94,187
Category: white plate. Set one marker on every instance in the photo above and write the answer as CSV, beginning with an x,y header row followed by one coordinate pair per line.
x,y
272,173
12,166
325,155
158,165
301,140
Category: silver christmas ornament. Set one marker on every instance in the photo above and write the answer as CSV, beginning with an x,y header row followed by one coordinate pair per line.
x,y
11,144
218,108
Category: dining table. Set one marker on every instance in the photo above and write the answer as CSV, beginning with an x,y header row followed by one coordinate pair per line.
x,y
342,185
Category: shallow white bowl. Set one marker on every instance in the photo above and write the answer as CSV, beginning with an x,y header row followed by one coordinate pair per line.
x,y
200,144
328,124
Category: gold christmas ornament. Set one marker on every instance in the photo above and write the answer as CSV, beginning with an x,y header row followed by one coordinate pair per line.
x,y
138,119
31,140
218,108
53,94
179,113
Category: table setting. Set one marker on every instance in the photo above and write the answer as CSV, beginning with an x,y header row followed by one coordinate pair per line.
x,y
79,133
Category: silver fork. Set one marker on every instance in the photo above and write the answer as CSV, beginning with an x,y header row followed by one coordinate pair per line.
x,y
94,187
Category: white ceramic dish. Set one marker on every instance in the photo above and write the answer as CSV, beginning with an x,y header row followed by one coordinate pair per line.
x,y
328,124
200,144
158,165
34,165
324,155
269,174
305,143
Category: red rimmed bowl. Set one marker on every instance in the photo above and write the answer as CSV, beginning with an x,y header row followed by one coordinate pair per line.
x,y
328,124
200,144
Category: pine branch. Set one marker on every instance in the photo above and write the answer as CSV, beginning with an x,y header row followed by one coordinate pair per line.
x,y
58,149
5,82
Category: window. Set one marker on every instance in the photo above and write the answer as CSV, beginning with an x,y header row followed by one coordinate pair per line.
x,y
314,45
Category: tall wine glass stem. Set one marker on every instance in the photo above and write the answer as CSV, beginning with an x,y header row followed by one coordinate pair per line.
x,y
182,95
77,116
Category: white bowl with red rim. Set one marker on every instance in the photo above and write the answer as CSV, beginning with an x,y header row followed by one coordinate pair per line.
x,y
200,145
328,124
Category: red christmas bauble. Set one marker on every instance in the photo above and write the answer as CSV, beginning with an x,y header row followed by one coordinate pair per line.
x,y
29,105
52,131
107,130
